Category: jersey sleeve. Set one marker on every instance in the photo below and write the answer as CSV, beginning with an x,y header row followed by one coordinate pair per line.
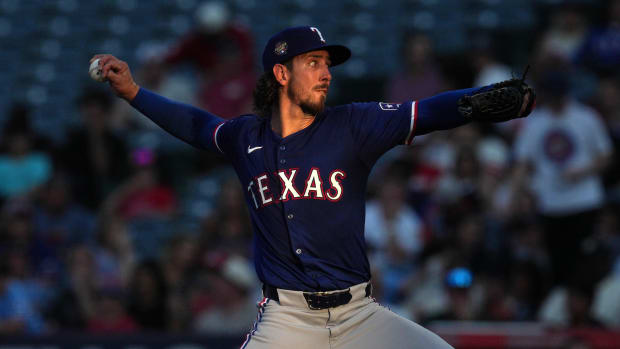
x,y
192,125
226,135
377,127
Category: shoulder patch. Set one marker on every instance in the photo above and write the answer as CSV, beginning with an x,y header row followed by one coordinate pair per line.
x,y
389,106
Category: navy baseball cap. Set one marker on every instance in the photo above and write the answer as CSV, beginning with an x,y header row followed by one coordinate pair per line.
x,y
297,40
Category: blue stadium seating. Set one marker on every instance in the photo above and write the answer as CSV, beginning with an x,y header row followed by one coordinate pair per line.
x,y
63,34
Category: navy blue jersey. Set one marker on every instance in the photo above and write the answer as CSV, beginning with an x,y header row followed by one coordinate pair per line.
x,y
306,192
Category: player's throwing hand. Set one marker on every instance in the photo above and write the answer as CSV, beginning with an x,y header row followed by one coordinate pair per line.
x,y
117,73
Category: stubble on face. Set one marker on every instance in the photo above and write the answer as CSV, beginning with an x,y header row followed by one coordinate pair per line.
x,y
305,99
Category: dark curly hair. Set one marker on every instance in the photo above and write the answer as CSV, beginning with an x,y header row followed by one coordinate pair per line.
x,y
266,92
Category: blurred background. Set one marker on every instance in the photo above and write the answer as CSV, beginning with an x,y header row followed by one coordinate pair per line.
x,y
114,234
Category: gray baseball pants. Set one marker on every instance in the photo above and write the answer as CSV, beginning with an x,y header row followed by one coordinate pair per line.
x,y
360,324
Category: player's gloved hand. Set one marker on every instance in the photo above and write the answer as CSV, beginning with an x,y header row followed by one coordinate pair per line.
x,y
503,101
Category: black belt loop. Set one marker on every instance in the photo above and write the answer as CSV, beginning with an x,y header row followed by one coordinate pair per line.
x,y
271,292
368,290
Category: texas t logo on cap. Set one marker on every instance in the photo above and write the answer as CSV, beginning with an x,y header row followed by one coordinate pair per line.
x,y
315,29
294,41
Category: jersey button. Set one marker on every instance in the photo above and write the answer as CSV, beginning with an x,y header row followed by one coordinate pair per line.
x,y
282,147
282,161
298,251
290,216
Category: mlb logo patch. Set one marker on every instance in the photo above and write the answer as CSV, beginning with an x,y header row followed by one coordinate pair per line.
x,y
281,48
389,106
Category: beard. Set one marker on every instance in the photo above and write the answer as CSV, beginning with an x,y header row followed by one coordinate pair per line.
x,y
304,100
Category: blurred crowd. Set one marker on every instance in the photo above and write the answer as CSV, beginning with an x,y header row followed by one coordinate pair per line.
x,y
122,229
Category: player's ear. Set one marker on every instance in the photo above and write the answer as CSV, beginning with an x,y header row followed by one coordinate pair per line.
x,y
281,73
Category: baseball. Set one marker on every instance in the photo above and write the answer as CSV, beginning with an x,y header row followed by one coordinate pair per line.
x,y
95,71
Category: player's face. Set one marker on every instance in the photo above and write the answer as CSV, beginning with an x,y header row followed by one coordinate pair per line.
x,y
310,81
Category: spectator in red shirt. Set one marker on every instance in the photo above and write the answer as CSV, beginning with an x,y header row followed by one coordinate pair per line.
x,y
222,52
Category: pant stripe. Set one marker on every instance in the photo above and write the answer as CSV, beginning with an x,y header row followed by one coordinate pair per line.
x,y
259,317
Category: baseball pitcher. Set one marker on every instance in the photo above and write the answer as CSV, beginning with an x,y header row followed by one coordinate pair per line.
x,y
304,167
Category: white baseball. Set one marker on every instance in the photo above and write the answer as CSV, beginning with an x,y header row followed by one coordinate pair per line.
x,y
95,71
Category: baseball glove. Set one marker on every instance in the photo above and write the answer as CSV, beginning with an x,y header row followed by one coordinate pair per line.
x,y
500,102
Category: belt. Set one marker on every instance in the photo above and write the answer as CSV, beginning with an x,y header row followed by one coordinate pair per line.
x,y
318,300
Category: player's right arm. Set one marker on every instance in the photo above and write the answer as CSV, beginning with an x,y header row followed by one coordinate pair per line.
x,y
192,125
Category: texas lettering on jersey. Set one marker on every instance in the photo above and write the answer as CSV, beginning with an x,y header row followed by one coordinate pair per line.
x,y
264,194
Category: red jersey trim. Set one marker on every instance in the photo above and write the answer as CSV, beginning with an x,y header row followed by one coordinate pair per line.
x,y
215,137
414,118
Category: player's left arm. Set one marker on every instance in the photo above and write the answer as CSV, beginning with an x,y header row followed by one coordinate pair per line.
x,y
493,103
377,127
